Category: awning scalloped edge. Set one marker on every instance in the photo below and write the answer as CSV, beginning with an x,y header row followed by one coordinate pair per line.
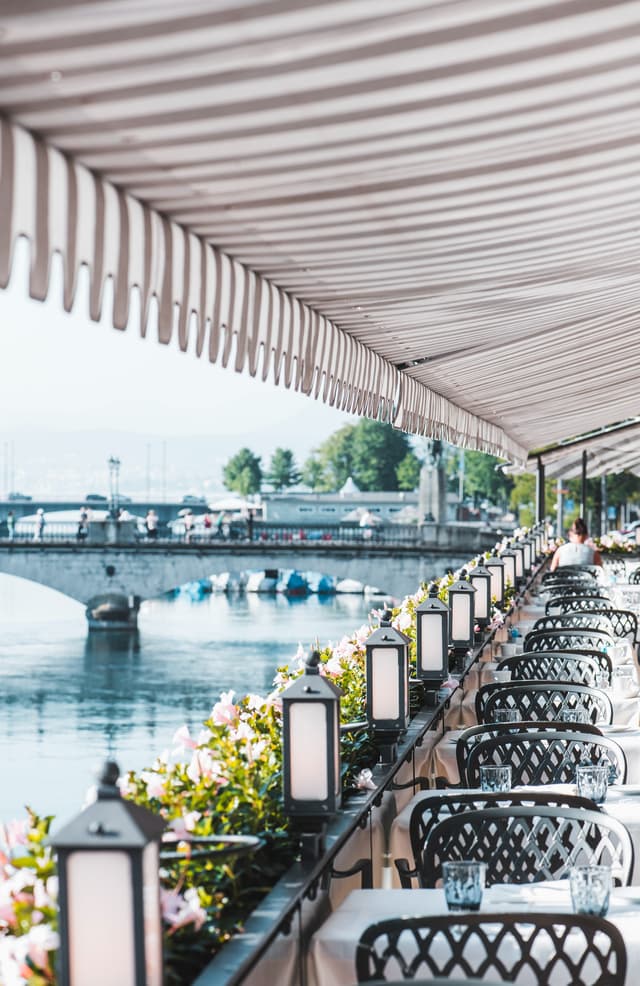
x,y
241,318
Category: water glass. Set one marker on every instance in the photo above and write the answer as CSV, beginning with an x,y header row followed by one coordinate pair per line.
x,y
577,714
624,679
463,884
602,680
590,889
506,715
592,781
502,676
495,777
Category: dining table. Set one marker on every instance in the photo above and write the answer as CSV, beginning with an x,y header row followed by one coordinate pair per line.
x,y
622,802
331,960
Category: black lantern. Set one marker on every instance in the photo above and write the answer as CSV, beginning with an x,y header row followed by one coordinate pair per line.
x,y
461,613
109,897
387,672
495,567
509,558
311,744
480,579
432,638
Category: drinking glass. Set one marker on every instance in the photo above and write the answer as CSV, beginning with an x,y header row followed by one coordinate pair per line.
x,y
592,781
623,678
506,715
463,884
577,714
495,777
590,889
602,680
502,676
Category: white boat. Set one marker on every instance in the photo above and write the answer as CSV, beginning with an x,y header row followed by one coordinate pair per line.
x,y
352,586
262,581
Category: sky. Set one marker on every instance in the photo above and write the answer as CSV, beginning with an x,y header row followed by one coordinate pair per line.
x,y
74,392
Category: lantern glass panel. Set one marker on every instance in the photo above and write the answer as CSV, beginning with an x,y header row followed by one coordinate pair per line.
x,y
528,554
100,919
519,556
460,604
509,568
337,780
481,598
432,640
386,694
151,910
308,745
497,574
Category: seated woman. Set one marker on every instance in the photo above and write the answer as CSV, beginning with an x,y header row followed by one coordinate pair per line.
x,y
576,551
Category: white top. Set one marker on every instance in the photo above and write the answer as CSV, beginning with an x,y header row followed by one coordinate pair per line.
x,y
575,553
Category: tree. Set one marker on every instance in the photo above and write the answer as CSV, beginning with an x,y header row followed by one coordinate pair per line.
x,y
243,473
483,481
408,472
312,473
369,452
282,470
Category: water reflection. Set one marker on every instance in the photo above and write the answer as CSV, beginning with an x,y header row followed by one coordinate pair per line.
x,y
68,697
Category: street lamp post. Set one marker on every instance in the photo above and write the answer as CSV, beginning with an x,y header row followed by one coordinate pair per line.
x,y
114,485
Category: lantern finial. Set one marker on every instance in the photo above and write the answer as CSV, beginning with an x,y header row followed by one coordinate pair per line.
x,y
385,618
108,781
433,590
312,663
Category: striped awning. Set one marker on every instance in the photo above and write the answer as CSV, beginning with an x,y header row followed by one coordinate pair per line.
x,y
424,211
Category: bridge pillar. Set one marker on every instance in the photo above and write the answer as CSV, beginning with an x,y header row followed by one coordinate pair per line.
x,y
113,611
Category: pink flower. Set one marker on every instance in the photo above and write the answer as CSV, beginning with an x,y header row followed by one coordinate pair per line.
x,y
179,910
224,712
403,620
345,649
15,833
185,824
182,736
156,783
333,667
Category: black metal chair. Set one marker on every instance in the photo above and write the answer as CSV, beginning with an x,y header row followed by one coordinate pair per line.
x,y
561,603
523,844
568,573
545,757
540,949
469,737
624,622
557,666
576,621
634,577
585,604
432,809
543,700
567,639
594,570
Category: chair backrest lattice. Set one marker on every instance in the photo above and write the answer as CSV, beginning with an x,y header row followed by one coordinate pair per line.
x,y
567,602
566,638
577,621
433,808
543,700
528,844
557,666
624,622
634,577
545,757
540,949
473,735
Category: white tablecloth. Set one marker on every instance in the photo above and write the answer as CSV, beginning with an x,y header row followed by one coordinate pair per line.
x,y
332,952
623,803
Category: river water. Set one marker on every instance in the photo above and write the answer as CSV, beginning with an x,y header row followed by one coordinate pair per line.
x,y
69,698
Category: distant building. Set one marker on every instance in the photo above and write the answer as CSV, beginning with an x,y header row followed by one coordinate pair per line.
x,y
335,508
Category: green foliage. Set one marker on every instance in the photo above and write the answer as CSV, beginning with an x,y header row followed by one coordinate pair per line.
x,y
481,478
369,452
408,472
243,473
282,470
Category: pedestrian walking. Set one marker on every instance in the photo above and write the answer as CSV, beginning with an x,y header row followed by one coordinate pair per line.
x,y
151,524
11,525
83,525
39,529
188,526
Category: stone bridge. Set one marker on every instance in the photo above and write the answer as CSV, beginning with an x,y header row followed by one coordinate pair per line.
x,y
112,580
